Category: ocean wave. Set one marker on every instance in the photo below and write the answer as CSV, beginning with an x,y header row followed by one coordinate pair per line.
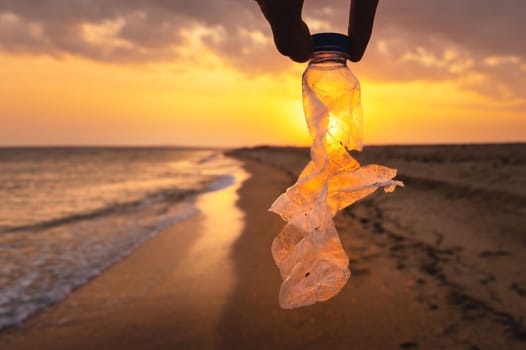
x,y
172,195
169,194
42,261
18,301
26,294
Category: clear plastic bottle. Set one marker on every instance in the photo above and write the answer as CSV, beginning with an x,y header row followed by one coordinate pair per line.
x,y
331,97
308,251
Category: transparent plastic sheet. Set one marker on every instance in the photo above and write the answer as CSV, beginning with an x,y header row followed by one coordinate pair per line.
x,y
313,265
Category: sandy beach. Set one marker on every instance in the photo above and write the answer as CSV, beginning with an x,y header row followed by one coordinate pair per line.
x,y
438,264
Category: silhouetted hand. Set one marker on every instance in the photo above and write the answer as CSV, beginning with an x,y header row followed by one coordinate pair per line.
x,y
292,36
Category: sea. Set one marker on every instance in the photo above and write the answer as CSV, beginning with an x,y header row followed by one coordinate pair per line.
x,y
66,214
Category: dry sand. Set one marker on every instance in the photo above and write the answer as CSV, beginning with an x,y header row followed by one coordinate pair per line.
x,y
438,264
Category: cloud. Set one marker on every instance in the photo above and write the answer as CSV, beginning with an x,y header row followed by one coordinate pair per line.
x,y
131,31
475,42
445,40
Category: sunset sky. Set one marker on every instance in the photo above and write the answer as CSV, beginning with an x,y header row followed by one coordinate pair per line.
x,y
205,73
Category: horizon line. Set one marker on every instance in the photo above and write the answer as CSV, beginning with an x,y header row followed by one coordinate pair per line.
x,y
475,143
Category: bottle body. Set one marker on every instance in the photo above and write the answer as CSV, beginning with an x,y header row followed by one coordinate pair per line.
x,y
331,102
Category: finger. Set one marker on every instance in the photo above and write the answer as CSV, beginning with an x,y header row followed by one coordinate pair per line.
x,y
293,39
291,34
361,18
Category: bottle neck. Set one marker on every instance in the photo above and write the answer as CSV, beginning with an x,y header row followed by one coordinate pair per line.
x,y
328,59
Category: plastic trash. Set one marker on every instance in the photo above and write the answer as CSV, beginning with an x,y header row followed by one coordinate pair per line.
x,y
313,265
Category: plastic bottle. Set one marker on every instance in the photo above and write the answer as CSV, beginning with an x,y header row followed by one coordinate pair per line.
x,y
331,96
312,262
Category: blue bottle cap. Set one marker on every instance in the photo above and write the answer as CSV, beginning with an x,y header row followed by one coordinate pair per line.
x,y
331,42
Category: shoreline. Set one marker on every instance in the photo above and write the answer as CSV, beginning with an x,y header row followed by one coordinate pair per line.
x,y
144,287
182,207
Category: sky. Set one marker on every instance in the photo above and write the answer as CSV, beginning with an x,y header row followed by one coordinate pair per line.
x,y
206,73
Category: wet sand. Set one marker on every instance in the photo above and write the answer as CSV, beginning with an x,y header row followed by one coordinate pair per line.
x,y
435,265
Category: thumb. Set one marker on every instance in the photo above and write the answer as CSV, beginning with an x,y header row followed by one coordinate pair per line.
x,y
291,35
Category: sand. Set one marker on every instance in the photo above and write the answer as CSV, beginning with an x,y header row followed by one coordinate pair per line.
x,y
438,264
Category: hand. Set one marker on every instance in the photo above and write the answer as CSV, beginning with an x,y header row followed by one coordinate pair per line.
x,y
292,36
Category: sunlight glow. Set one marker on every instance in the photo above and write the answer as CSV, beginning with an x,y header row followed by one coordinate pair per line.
x,y
75,101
